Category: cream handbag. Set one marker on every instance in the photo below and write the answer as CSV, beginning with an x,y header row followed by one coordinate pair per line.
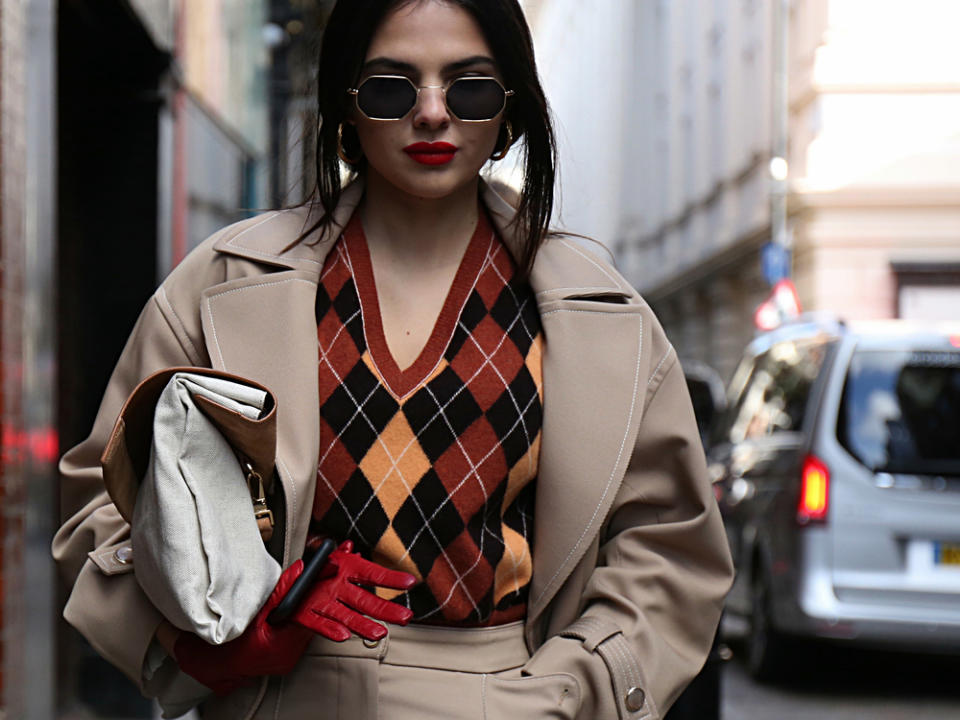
x,y
186,467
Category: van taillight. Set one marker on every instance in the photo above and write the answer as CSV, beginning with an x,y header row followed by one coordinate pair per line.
x,y
814,491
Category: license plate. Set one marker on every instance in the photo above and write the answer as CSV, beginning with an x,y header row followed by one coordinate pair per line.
x,y
946,554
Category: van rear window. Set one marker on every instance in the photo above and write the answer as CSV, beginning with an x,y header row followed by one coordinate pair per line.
x,y
901,411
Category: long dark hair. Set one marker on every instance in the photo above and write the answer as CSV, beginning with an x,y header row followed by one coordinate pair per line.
x,y
347,36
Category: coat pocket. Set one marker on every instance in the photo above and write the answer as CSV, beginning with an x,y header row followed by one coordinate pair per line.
x,y
544,696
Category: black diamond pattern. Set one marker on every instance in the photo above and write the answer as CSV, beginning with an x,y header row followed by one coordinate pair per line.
x,y
423,536
420,599
503,416
358,430
358,515
505,313
474,311
439,412
347,307
322,303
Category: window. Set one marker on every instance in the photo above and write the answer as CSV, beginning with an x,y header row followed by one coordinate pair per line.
x,y
927,291
775,397
901,410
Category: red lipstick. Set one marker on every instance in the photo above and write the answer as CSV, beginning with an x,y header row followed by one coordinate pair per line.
x,y
437,153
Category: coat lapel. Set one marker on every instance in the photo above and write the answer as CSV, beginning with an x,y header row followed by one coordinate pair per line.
x,y
264,329
591,376
593,325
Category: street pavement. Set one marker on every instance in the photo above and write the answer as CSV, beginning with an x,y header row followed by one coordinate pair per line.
x,y
833,684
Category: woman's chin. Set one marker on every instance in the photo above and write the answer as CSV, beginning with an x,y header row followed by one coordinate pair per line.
x,y
432,185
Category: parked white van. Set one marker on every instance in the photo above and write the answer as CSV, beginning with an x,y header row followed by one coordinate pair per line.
x,y
837,465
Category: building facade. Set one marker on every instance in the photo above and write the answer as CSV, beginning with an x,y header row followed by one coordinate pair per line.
x,y
670,114
28,443
129,131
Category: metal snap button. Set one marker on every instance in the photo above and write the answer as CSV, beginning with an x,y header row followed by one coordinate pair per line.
x,y
635,699
124,554
371,643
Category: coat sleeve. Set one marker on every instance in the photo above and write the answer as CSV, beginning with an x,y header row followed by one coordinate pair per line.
x,y
652,603
106,604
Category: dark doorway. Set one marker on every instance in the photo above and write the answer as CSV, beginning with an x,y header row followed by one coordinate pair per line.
x,y
109,79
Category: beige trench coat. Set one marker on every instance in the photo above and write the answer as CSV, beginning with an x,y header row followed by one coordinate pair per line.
x,y
630,560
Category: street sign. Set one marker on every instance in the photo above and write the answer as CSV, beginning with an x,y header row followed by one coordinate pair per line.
x,y
782,305
775,262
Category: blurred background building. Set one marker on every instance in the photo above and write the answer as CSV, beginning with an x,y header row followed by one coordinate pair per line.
x,y
131,129
671,112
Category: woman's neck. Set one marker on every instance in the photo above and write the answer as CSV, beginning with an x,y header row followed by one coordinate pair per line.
x,y
414,231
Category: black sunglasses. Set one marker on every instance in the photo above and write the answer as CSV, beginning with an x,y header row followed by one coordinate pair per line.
x,y
391,97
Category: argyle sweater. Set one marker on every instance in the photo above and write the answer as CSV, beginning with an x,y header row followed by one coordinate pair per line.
x,y
432,469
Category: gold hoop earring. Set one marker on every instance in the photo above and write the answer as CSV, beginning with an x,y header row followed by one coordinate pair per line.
x,y
341,153
501,154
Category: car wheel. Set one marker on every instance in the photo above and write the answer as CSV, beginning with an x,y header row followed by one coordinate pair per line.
x,y
765,646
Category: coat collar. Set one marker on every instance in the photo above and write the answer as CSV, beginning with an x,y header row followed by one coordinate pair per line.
x,y
594,328
562,268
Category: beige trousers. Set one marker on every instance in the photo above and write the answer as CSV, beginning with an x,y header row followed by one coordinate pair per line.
x,y
421,673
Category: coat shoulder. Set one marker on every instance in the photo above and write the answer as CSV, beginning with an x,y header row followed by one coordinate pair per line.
x,y
567,267
215,260
179,296
572,268
271,238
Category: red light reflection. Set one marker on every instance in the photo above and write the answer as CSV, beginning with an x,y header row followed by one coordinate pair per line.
x,y
43,444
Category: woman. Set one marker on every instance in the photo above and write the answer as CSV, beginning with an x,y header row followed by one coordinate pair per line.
x,y
467,399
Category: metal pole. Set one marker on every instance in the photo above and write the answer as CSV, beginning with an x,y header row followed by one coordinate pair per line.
x,y
781,126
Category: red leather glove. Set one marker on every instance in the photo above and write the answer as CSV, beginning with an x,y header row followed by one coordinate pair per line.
x,y
334,606
330,609
262,649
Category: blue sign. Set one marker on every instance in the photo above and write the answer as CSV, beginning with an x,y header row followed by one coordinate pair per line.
x,y
775,262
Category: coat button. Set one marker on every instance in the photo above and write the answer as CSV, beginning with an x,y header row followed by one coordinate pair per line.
x,y
124,554
367,642
635,699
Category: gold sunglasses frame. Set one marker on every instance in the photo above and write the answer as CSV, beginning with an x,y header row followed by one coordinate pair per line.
x,y
443,88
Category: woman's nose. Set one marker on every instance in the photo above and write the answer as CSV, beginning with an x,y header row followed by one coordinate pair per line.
x,y
431,110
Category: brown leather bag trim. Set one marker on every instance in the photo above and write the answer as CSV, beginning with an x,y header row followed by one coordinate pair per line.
x,y
124,459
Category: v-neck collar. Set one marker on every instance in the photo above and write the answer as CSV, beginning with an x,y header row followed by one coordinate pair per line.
x,y
402,382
